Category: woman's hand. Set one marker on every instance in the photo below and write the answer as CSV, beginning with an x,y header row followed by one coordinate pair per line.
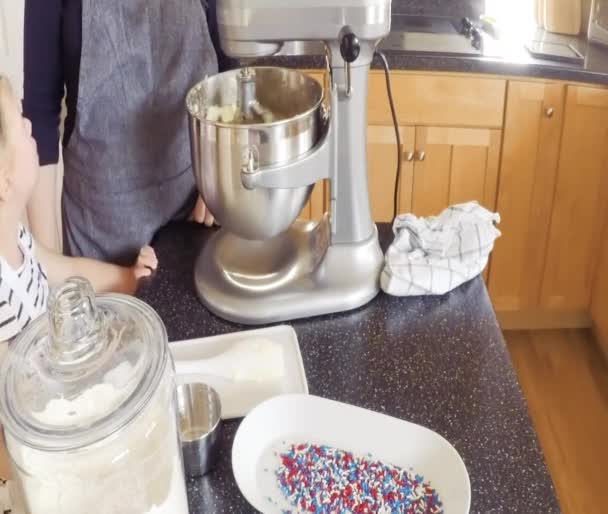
x,y
201,214
145,264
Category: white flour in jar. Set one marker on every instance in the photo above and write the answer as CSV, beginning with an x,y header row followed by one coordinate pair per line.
x,y
139,471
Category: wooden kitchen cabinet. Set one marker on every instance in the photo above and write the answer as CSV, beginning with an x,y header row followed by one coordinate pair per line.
x,y
454,165
599,300
580,203
440,166
317,204
382,168
446,157
534,151
530,152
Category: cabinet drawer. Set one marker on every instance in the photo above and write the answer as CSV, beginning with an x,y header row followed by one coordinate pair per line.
x,y
438,100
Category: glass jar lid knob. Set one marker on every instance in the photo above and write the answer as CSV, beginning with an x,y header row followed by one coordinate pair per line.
x,y
75,323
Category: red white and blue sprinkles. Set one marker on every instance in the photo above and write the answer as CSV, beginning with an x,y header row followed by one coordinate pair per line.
x,y
325,480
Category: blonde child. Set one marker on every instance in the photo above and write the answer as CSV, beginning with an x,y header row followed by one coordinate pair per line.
x,y
27,269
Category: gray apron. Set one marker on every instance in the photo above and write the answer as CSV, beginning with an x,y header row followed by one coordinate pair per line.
x,y
127,163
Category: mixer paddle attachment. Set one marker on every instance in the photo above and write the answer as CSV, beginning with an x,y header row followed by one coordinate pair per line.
x,y
248,108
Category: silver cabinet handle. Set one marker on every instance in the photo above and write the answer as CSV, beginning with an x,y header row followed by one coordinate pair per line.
x,y
421,155
549,112
409,156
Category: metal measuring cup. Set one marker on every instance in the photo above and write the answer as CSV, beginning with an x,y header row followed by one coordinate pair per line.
x,y
199,414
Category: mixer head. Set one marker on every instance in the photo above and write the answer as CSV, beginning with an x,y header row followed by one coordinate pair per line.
x,y
258,28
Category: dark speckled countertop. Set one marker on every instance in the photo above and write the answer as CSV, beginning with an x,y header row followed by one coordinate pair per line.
x,y
505,56
440,362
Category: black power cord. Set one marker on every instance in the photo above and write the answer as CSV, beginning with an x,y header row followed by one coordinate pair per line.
x,y
396,124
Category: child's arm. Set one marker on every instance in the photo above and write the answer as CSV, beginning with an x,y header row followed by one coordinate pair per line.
x,y
103,276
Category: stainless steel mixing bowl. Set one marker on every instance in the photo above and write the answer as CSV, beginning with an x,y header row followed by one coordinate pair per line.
x,y
220,148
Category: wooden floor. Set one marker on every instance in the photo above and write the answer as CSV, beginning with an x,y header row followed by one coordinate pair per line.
x,y
565,380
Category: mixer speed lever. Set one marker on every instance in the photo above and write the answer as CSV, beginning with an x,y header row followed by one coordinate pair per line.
x,y
350,48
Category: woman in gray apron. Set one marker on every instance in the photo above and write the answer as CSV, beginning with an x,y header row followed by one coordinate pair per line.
x,y
127,168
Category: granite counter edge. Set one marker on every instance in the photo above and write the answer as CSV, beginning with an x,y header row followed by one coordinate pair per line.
x,y
443,63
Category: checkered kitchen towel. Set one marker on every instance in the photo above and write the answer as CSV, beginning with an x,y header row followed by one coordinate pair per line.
x,y
431,256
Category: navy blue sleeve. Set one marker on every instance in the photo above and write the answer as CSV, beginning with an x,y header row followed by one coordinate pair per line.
x,y
43,74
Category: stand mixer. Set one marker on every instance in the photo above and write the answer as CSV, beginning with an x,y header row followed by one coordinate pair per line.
x,y
264,265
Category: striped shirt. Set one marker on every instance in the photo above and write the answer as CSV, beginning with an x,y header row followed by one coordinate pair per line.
x,y
23,292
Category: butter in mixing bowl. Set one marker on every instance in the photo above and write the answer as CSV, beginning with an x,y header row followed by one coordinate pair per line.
x,y
225,114
231,114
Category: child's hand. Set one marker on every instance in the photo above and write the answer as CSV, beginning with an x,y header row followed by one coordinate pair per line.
x,y
146,263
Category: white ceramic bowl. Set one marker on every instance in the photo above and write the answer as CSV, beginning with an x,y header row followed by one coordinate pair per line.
x,y
277,423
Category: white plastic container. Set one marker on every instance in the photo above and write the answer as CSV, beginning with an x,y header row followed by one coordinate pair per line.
x,y
245,368
88,404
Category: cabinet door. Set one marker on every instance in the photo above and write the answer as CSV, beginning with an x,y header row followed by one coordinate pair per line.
x,y
580,202
454,165
382,168
525,194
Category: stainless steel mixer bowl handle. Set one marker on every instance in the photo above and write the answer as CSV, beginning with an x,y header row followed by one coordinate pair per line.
x,y
308,169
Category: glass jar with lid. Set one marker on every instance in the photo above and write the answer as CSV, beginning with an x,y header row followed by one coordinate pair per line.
x,y
87,400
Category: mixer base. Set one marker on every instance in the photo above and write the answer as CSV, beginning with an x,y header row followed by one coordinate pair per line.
x,y
296,274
